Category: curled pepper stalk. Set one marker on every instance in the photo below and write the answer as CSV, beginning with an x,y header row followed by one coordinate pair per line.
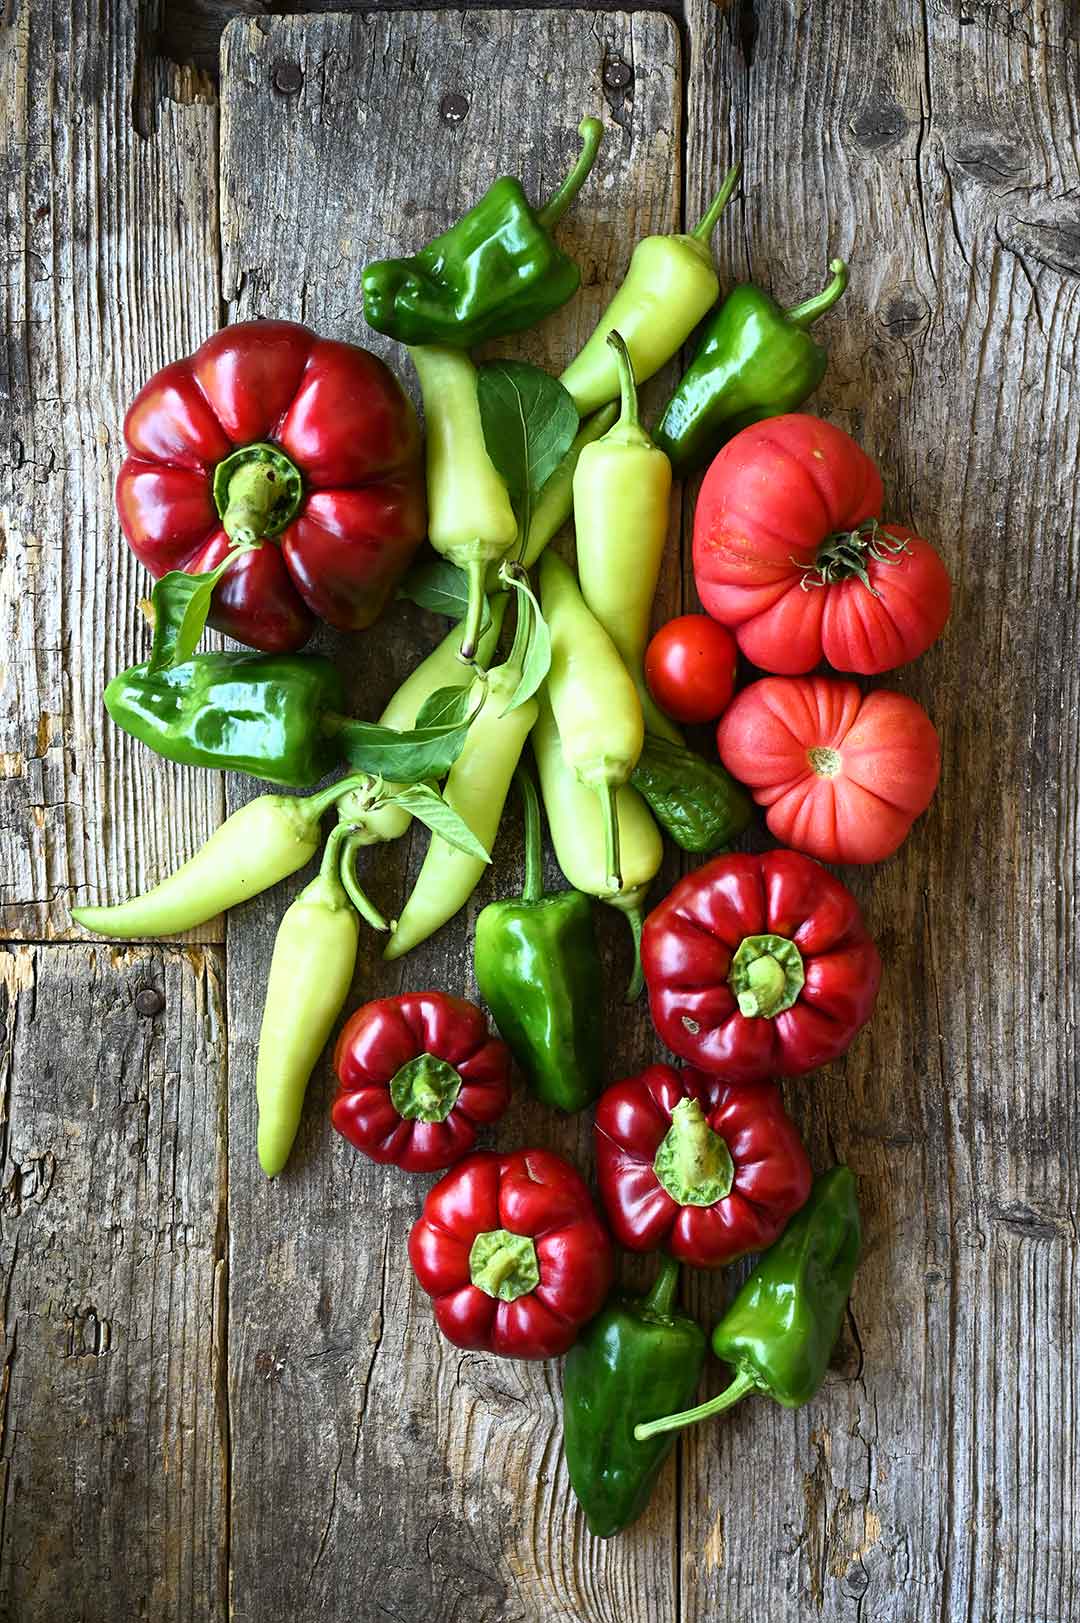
x,y
847,553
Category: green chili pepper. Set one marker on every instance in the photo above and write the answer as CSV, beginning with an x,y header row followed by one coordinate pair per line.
x,y
476,788
310,975
258,713
470,517
696,803
495,272
671,284
779,1332
754,360
373,821
539,973
258,846
622,491
596,705
575,823
636,1360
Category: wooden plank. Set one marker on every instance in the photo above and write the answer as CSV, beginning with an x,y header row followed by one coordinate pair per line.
x,y
936,1476
402,1468
113,1431
112,271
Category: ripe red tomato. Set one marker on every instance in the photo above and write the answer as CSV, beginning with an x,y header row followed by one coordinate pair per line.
x,y
844,777
690,668
789,552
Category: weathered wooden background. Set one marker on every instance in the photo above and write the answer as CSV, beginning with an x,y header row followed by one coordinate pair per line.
x,y
221,1399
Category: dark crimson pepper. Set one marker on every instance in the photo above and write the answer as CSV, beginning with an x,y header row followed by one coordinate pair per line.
x,y
759,966
538,971
495,272
270,433
702,1169
754,361
779,1332
637,1360
417,1075
268,714
513,1252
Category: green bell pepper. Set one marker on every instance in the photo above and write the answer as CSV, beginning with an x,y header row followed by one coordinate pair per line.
x,y
538,971
754,360
696,803
495,272
779,1332
637,1359
272,715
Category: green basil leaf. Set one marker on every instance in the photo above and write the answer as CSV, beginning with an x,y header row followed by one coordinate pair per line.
x,y
532,639
529,423
411,757
430,808
446,707
181,603
441,587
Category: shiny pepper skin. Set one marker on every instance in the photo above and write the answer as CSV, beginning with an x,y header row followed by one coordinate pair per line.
x,y
417,1075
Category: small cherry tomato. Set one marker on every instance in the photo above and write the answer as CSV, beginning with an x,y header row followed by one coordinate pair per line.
x,y
690,668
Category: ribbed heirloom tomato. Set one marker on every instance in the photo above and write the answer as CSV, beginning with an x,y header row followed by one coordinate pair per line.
x,y
843,776
791,554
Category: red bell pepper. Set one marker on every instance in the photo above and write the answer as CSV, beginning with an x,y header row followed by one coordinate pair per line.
x,y
700,1168
417,1075
513,1252
270,433
759,966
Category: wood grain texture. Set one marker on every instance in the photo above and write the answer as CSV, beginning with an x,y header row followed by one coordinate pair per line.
x,y
936,1477
414,1480
111,271
113,1469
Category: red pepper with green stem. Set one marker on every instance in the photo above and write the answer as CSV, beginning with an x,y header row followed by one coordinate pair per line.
x,y
697,1167
269,434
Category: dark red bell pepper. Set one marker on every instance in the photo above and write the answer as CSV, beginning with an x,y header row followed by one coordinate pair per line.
x,y
417,1075
697,1167
759,966
270,433
513,1252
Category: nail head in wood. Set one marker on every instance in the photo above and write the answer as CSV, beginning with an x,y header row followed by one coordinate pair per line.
x,y
288,78
149,1002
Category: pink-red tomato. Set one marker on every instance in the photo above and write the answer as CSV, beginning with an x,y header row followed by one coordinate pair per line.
x,y
789,552
690,668
843,776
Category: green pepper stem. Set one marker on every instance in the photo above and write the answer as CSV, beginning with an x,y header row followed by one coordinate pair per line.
x,y
533,888
472,624
803,315
740,1386
347,874
592,133
609,811
636,919
313,806
661,1298
628,397
706,225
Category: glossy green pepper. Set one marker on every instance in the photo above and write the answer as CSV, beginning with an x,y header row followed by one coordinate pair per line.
x,y
754,361
495,272
779,1332
272,715
638,1359
538,971
696,803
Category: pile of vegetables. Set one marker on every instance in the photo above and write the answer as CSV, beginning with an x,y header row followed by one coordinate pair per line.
x,y
275,479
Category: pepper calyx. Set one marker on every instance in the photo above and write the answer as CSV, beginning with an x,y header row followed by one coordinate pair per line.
x,y
693,1162
257,492
766,975
425,1089
846,554
504,1265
